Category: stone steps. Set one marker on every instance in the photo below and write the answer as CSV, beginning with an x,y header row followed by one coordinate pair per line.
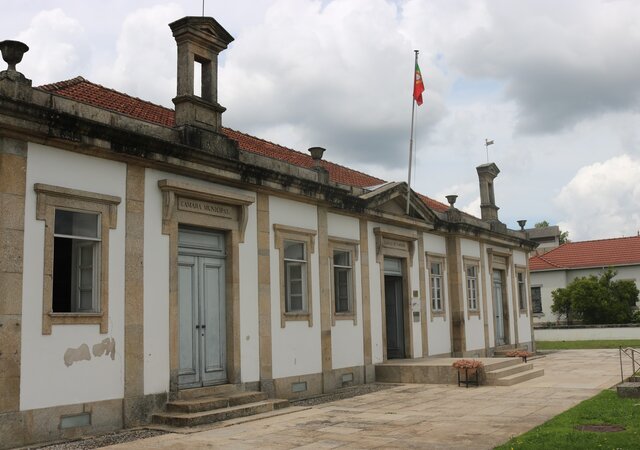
x,y
494,374
215,404
191,419
629,389
509,378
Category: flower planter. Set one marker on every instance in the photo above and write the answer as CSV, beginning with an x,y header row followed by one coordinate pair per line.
x,y
468,371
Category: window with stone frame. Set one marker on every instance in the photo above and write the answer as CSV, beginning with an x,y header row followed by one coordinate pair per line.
x,y
436,281
295,276
76,262
343,257
536,299
295,246
76,255
472,286
342,281
522,291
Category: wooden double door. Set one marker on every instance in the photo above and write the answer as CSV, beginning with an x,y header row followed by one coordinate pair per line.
x,y
202,308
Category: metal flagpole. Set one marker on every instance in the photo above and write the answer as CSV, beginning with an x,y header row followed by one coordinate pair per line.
x,y
413,112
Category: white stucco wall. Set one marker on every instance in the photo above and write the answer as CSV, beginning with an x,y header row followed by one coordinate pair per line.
x,y
45,379
296,348
375,298
524,320
438,328
249,311
346,337
413,303
548,282
586,334
474,325
156,287
488,290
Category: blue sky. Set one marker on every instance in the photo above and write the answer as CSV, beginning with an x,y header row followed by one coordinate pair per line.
x,y
553,82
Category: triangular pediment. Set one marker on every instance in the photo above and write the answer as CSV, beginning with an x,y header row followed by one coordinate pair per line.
x,y
391,198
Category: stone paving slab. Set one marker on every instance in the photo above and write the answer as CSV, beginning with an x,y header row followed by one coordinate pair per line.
x,y
419,416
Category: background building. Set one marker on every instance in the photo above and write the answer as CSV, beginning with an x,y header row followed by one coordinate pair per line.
x,y
558,267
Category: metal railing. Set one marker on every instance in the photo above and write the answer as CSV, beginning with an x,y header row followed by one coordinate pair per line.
x,y
632,354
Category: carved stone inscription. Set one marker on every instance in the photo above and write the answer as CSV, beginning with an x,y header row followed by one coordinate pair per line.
x,y
395,244
204,207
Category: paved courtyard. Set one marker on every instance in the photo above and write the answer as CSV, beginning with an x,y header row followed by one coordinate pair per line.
x,y
418,416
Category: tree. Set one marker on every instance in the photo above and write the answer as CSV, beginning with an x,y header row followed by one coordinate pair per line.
x,y
596,300
562,304
564,235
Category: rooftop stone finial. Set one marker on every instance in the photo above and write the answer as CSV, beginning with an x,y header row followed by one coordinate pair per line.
x,y
12,53
452,200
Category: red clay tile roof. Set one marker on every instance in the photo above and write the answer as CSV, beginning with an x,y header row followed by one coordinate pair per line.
x,y
601,253
85,91
82,90
433,204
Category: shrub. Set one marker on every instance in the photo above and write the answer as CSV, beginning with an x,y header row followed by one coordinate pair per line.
x,y
596,300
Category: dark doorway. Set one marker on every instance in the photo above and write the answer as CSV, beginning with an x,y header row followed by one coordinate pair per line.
x,y
394,316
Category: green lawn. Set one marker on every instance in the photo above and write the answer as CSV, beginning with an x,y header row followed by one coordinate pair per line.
x,y
572,345
604,408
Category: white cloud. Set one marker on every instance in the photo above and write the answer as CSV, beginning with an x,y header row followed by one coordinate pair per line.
x,y
472,208
602,200
57,45
145,65
339,70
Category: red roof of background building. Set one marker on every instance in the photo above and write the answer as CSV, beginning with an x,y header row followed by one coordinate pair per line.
x,y
601,253
82,90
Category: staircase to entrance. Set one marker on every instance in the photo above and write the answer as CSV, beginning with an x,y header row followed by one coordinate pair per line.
x,y
200,406
497,371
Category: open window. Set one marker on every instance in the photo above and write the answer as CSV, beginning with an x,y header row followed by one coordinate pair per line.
x,y
76,262
76,255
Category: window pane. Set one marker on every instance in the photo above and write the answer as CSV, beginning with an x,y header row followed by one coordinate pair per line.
x,y
342,289
341,258
62,274
295,303
295,285
435,268
392,266
536,300
76,224
294,250
86,301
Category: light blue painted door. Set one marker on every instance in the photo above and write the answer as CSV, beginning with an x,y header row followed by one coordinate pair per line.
x,y
497,307
201,296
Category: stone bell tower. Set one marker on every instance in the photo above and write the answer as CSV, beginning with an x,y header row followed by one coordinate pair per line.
x,y
200,40
488,209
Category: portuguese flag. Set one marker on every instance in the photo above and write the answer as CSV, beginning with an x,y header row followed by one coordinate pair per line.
x,y
418,86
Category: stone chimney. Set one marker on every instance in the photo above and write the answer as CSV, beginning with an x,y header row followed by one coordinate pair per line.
x,y
200,40
488,209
